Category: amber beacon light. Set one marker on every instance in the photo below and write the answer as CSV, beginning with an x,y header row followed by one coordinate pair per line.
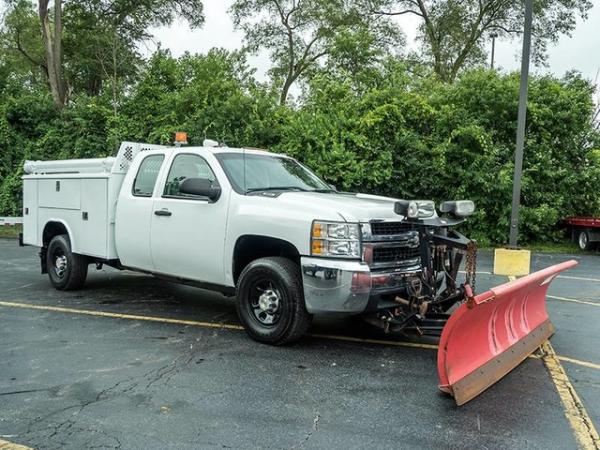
x,y
180,138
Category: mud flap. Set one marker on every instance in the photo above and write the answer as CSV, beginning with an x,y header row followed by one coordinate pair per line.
x,y
493,332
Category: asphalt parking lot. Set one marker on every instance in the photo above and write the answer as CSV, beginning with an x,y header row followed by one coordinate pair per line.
x,y
92,373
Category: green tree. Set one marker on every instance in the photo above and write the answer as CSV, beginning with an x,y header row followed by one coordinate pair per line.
x,y
209,96
298,34
85,42
20,45
453,33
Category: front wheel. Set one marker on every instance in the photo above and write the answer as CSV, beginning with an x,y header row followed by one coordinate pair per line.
x,y
270,301
67,270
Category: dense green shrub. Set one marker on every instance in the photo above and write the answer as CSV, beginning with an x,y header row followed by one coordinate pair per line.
x,y
389,131
426,139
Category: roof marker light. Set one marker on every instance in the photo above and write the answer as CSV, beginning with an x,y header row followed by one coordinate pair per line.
x,y
180,138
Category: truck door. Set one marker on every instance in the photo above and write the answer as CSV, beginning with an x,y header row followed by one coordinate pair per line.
x,y
134,213
188,232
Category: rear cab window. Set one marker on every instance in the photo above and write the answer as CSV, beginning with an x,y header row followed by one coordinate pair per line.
x,y
145,179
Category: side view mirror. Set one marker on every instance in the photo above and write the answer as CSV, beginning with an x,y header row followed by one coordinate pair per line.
x,y
200,186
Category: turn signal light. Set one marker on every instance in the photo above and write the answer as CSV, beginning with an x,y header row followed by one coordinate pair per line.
x,y
317,230
317,247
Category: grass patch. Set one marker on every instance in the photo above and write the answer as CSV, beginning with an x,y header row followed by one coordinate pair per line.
x,y
553,247
556,247
10,231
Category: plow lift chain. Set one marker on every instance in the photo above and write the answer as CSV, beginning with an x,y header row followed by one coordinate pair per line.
x,y
423,310
471,264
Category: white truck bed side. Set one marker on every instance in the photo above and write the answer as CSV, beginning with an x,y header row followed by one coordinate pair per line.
x,y
81,195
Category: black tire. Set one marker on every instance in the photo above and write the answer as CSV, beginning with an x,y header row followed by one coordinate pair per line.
x,y
583,240
276,281
67,270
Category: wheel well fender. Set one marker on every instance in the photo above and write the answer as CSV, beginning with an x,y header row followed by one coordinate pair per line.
x,y
251,247
54,228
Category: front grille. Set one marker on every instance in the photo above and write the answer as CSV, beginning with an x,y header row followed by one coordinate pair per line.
x,y
390,228
394,254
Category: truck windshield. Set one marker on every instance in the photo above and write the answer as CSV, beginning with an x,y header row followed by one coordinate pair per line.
x,y
255,173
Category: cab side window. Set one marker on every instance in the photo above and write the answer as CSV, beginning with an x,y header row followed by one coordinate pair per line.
x,y
187,166
144,182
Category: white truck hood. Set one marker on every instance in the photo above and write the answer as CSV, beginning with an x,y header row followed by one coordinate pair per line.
x,y
351,207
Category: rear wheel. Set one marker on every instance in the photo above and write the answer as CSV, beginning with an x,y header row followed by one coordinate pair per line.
x,y
270,301
583,240
67,270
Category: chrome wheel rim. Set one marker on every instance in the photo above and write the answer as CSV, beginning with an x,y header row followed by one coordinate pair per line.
x,y
265,302
583,241
60,264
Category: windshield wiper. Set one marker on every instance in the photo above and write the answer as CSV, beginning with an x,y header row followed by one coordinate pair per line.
x,y
325,191
276,188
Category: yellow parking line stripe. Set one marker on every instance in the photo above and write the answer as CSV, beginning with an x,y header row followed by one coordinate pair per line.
x,y
579,420
196,323
566,277
581,423
121,316
571,277
565,299
479,272
374,341
5,445
573,300
200,324
579,362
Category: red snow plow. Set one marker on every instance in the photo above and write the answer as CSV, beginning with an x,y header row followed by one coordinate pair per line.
x,y
481,337
493,332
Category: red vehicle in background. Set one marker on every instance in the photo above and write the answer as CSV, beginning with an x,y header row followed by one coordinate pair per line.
x,y
585,231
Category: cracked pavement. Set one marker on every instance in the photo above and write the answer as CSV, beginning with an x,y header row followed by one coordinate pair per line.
x,y
75,381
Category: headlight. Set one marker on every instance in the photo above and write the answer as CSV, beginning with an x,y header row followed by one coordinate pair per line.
x,y
421,209
406,209
335,239
458,208
426,208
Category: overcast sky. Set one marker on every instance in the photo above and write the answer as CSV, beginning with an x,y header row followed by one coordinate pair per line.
x,y
580,52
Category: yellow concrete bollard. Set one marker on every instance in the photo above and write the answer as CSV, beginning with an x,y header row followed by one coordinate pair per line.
x,y
511,262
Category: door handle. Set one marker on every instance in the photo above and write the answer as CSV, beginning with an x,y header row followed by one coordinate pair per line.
x,y
163,212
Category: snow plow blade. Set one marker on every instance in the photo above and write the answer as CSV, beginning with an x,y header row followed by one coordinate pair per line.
x,y
493,332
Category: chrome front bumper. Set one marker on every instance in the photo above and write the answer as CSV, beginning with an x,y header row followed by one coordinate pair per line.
x,y
338,286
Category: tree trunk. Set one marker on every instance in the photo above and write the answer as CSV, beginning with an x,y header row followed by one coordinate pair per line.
x,y
114,67
285,90
52,40
434,42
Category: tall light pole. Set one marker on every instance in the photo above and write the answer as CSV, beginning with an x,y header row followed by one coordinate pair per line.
x,y
516,197
493,35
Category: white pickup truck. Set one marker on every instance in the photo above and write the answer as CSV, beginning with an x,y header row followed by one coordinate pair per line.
x,y
257,225
263,227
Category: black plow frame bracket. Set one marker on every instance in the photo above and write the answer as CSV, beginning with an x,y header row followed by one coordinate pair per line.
x,y
442,250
